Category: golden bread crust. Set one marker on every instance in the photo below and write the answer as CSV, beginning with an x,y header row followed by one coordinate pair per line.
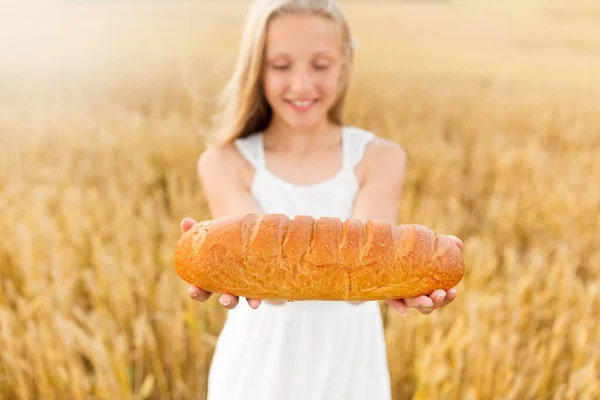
x,y
271,257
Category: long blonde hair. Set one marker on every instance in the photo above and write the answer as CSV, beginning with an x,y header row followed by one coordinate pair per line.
x,y
244,109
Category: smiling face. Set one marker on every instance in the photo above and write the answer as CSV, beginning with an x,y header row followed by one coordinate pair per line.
x,y
303,67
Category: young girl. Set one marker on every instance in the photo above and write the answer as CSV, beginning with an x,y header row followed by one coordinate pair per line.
x,y
283,148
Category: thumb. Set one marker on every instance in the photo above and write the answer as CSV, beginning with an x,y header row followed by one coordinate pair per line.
x,y
187,223
456,240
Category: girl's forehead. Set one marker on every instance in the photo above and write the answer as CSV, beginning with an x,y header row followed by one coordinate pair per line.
x,y
298,52
289,35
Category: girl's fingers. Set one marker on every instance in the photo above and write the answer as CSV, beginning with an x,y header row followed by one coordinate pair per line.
x,y
438,297
440,302
417,302
198,294
424,304
229,301
253,303
450,296
398,305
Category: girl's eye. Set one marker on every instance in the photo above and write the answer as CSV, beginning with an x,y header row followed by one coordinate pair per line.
x,y
317,67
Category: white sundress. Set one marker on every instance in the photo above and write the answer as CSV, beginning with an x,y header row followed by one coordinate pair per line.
x,y
302,350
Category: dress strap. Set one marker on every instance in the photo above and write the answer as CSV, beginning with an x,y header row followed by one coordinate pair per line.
x,y
252,150
354,145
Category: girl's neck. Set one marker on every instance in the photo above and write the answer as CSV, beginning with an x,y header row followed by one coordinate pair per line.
x,y
280,137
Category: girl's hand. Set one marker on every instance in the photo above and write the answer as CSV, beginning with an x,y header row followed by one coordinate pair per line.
x,y
427,304
228,301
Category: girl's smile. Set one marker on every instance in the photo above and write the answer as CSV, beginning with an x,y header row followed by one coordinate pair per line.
x,y
302,106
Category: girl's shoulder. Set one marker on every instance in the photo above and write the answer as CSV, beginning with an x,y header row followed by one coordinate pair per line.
x,y
223,163
374,144
218,153
225,158
381,156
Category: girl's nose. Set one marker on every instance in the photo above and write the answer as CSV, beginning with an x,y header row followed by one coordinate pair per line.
x,y
300,81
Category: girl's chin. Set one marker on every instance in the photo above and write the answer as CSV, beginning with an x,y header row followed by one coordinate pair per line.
x,y
303,123
304,120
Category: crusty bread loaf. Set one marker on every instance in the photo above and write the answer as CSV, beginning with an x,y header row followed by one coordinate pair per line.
x,y
272,257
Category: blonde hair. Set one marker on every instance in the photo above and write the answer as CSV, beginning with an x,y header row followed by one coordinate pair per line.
x,y
244,108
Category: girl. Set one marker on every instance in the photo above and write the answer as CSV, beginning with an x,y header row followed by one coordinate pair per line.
x,y
283,148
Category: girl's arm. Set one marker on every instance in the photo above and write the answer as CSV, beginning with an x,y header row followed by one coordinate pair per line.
x,y
383,170
381,181
224,177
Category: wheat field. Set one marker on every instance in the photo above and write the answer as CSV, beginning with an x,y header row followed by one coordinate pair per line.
x,y
103,111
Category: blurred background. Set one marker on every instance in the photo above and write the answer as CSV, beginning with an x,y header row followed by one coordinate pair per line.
x,y
104,110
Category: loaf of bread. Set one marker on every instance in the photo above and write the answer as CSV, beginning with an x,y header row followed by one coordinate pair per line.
x,y
273,257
